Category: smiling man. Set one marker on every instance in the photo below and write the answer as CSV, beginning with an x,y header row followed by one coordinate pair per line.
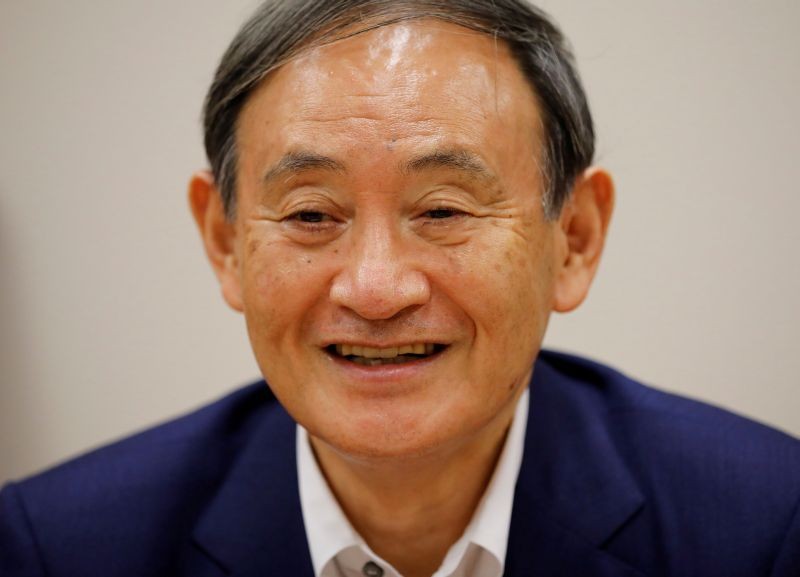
x,y
401,194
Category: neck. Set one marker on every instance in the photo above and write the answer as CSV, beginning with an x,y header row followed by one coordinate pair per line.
x,y
411,511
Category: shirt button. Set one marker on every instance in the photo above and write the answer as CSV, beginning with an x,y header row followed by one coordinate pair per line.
x,y
372,570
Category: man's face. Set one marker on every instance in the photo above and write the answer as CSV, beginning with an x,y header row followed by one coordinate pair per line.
x,y
391,255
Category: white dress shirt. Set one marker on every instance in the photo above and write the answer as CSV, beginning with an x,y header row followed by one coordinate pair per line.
x,y
338,551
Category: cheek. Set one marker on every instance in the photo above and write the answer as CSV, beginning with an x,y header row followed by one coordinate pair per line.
x,y
505,285
279,284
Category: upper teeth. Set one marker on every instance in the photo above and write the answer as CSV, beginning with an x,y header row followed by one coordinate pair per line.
x,y
387,353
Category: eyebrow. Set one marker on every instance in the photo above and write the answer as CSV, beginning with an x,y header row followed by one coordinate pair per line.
x,y
457,159
294,163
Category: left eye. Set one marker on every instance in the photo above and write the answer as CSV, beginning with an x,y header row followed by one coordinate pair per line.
x,y
439,213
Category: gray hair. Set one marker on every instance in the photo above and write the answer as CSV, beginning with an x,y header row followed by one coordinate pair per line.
x,y
280,29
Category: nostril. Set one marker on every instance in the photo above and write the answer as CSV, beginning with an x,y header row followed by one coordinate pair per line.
x,y
380,291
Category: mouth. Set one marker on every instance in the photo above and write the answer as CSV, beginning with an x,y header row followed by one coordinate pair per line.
x,y
373,357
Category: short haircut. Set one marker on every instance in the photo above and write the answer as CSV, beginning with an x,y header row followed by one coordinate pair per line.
x,y
281,29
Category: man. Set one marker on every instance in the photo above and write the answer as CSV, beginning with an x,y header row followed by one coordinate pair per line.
x,y
400,194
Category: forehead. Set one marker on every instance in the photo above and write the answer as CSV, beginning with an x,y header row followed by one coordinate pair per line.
x,y
414,79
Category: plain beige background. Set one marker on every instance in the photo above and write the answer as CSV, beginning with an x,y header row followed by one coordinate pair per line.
x,y
110,319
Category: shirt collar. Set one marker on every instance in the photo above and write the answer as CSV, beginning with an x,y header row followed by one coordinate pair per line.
x,y
329,532
492,519
327,529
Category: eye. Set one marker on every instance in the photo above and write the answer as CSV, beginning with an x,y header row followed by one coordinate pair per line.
x,y
440,213
310,223
310,216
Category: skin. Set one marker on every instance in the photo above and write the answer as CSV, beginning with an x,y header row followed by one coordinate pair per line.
x,y
389,193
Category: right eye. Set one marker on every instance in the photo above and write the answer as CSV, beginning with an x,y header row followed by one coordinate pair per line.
x,y
311,225
310,216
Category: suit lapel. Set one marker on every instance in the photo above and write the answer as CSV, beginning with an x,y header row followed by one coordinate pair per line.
x,y
574,491
254,526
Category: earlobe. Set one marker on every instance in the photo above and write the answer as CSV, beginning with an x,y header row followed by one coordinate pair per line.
x,y
218,235
583,225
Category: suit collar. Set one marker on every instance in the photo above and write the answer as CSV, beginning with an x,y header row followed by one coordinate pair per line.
x,y
254,526
574,491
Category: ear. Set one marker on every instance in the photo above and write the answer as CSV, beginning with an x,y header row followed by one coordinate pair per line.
x,y
218,234
583,226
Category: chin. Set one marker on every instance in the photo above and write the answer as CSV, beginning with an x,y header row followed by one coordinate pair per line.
x,y
394,433
394,449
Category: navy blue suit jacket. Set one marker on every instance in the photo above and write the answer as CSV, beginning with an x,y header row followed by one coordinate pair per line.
x,y
617,480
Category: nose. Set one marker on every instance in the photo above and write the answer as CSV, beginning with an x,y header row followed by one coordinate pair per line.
x,y
379,278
